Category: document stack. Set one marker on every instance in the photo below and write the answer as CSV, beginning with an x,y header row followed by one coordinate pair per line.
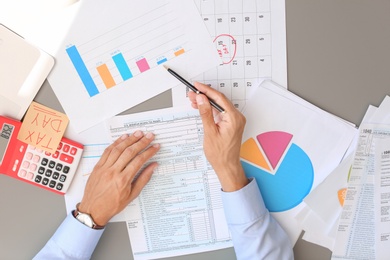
x,y
353,218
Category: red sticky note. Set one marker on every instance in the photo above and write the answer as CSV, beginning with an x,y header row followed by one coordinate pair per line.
x,y
43,127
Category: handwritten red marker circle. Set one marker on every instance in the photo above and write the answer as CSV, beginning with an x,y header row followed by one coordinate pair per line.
x,y
226,47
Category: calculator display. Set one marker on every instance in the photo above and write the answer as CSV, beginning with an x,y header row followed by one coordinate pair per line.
x,y
5,137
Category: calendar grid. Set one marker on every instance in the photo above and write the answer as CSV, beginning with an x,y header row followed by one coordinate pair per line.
x,y
241,31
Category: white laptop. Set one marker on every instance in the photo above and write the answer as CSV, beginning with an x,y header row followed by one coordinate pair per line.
x,y
23,69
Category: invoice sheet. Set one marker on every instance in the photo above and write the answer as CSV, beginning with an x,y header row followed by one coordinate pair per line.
x,y
250,37
180,210
382,200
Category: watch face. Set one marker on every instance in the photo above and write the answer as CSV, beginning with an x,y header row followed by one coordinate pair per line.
x,y
86,219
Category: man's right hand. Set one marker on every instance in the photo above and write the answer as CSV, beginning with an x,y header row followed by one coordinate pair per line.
x,y
222,136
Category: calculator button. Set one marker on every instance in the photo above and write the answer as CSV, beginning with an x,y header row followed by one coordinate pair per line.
x,y
47,153
66,158
48,173
66,148
30,176
66,169
55,155
59,146
41,170
44,161
55,175
73,151
31,147
45,181
59,186
52,184
25,164
59,167
36,158
52,164
38,179
22,173
62,178
33,167
29,156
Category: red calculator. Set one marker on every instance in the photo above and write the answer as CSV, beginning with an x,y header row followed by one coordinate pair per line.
x,y
51,171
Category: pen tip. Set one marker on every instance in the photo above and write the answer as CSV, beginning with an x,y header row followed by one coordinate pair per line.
x,y
165,67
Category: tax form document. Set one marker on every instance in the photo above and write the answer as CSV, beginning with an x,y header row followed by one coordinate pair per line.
x,y
359,234
355,238
382,199
180,210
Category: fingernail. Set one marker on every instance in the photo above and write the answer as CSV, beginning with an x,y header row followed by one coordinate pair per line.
x,y
199,99
156,145
124,136
137,133
149,135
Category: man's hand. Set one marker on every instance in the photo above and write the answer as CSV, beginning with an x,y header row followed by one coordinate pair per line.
x,y
222,136
112,184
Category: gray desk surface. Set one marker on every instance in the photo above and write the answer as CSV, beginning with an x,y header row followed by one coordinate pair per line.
x,y
338,59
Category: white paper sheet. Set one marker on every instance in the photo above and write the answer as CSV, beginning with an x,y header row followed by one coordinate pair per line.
x,y
250,36
309,141
325,205
325,202
382,200
109,63
180,210
321,235
23,15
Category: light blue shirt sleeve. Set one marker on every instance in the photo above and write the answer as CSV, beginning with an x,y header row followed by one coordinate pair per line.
x,y
255,233
72,240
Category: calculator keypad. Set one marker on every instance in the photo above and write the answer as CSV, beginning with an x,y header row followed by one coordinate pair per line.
x,y
51,170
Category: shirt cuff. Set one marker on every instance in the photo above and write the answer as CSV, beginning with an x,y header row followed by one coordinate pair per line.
x,y
244,205
75,239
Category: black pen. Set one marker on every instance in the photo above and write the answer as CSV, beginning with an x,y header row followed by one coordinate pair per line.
x,y
190,86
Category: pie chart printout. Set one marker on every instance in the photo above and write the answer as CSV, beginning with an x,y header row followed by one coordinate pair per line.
x,y
283,171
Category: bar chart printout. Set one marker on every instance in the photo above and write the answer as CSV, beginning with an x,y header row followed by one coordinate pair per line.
x,y
119,66
180,211
104,69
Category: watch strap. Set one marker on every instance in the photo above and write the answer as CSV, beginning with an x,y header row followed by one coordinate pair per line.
x,y
76,213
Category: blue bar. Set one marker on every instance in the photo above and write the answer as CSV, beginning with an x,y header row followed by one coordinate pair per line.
x,y
122,66
161,61
82,70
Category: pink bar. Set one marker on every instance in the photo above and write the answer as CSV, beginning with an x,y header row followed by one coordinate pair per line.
x,y
143,65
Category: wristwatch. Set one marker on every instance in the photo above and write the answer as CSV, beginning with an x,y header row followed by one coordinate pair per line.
x,y
85,218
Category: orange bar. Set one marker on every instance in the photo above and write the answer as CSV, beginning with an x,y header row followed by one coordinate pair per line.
x,y
106,76
179,52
